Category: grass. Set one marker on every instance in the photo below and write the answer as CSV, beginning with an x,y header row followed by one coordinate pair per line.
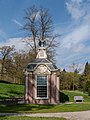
x,y
11,90
71,95
28,118
45,108
14,90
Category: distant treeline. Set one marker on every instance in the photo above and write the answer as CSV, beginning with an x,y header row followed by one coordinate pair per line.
x,y
76,81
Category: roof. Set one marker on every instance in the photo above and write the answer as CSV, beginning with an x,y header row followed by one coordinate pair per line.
x,y
31,66
39,60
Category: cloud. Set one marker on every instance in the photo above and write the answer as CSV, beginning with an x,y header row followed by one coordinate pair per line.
x,y
80,33
17,42
16,22
77,37
75,9
2,35
75,45
78,9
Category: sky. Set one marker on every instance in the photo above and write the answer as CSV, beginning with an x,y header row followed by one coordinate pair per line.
x,y
71,19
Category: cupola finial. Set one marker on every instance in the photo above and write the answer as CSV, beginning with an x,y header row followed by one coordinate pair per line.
x,y
42,49
42,43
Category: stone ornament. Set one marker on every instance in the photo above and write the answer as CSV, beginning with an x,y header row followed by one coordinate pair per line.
x,y
42,69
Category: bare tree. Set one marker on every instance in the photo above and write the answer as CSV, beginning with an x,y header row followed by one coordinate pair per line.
x,y
5,53
39,26
75,68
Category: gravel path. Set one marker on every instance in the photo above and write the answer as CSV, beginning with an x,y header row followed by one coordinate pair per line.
x,y
84,115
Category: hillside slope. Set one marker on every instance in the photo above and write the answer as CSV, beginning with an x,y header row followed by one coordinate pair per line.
x,y
8,90
71,95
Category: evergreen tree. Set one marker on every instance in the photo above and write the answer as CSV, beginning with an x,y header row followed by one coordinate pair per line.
x,y
87,69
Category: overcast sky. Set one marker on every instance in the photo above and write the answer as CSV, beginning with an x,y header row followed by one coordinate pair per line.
x,y
71,20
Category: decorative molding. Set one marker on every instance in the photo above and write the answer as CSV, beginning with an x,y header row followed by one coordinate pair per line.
x,y
42,53
54,73
42,69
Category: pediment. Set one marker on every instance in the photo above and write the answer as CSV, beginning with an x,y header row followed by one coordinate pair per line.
x,y
42,69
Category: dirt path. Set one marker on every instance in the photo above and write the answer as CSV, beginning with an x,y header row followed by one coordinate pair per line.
x,y
84,115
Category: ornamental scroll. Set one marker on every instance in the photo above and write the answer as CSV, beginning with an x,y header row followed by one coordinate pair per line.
x,y
42,69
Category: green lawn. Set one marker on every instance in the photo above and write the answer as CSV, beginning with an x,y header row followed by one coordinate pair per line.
x,y
11,90
45,108
28,118
14,90
71,95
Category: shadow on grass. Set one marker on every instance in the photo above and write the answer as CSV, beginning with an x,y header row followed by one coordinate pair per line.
x,y
3,96
18,108
63,98
24,108
2,81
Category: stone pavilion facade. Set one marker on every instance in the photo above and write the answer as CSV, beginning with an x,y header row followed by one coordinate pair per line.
x,y
42,80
